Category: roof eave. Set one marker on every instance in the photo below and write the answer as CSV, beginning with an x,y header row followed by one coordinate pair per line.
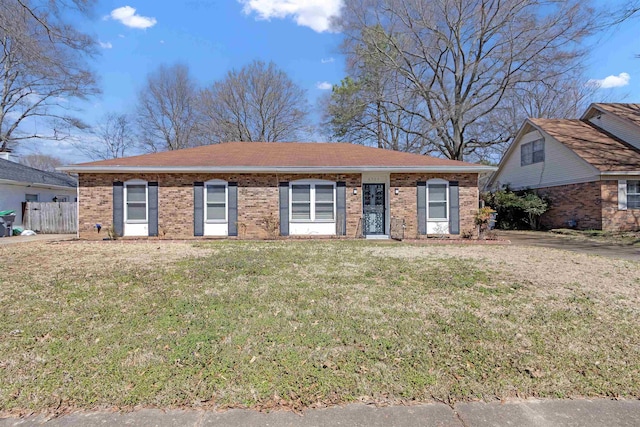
x,y
620,173
37,184
278,169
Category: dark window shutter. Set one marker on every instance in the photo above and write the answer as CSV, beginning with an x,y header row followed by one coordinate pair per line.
x,y
422,207
341,208
232,188
454,207
153,208
118,208
284,208
198,209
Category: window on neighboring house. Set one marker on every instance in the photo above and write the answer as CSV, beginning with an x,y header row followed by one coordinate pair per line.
x,y
313,202
136,202
216,197
30,197
532,152
633,194
437,201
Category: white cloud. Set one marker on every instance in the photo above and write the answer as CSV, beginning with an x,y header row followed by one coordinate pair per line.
x,y
315,14
127,16
161,41
327,60
324,85
609,82
105,45
121,36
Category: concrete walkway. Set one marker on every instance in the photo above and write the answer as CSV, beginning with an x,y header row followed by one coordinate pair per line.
x,y
550,240
36,238
529,413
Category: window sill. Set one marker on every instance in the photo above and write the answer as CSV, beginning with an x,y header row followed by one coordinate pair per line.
x,y
132,221
219,221
438,220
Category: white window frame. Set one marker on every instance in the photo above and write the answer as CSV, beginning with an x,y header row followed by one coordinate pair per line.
x,y
632,194
312,200
217,182
438,181
533,160
146,201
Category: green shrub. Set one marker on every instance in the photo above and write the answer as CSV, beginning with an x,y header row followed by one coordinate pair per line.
x,y
517,209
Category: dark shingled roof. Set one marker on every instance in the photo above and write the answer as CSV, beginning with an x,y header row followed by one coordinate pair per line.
x,y
16,172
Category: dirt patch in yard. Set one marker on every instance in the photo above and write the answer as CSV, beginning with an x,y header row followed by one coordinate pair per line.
x,y
550,271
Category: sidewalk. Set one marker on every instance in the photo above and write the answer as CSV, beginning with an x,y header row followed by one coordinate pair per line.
x,y
529,413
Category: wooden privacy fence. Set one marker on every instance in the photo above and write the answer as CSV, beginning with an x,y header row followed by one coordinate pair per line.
x,y
51,217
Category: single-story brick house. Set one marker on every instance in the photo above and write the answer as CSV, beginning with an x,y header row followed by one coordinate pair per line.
x,y
588,168
258,190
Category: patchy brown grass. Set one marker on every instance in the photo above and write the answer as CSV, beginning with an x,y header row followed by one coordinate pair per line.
x,y
309,323
625,238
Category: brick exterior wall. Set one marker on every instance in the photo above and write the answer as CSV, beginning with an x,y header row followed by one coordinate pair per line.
x,y
258,200
404,204
579,202
612,218
594,205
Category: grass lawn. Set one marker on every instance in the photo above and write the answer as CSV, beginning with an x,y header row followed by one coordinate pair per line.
x,y
310,323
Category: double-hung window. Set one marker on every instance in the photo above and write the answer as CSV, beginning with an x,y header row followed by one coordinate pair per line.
x,y
216,203
301,202
532,152
313,202
136,201
437,201
633,194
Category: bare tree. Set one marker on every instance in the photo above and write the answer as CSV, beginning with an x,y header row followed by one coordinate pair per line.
x,y
43,69
362,109
461,59
114,138
41,161
166,112
258,103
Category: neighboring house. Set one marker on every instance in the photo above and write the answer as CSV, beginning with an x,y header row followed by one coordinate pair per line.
x,y
258,190
20,183
588,168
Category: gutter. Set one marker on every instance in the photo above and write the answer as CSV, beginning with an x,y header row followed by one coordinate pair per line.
x,y
620,173
37,185
275,169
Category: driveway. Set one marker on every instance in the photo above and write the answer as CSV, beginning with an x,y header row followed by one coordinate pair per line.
x,y
550,240
36,238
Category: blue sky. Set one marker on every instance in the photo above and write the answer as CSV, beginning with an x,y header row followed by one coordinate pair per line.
x,y
213,36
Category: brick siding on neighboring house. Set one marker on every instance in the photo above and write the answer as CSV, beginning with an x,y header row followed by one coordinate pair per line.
x,y
258,201
593,205
404,204
574,202
614,219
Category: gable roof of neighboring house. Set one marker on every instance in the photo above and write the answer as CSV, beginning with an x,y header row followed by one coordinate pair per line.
x,y
628,112
600,149
277,156
11,171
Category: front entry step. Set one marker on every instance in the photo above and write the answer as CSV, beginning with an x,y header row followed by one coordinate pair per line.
x,y
377,237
